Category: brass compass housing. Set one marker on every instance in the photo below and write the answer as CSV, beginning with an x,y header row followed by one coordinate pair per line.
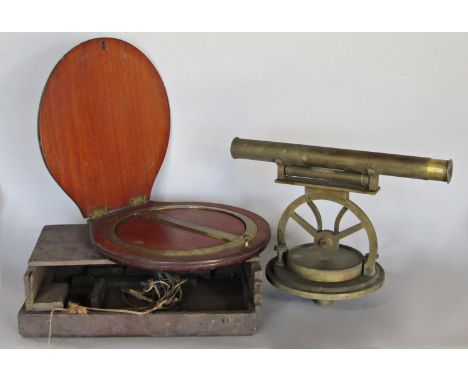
x,y
325,270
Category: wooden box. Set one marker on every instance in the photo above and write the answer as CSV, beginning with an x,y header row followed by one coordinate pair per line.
x,y
65,267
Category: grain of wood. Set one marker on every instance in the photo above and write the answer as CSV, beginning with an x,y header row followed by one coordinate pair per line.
x,y
32,282
50,296
104,124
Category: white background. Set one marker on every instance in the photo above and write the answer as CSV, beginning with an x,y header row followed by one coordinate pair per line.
x,y
399,93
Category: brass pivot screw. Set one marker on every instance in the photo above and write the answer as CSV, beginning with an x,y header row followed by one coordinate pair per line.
x,y
247,240
324,243
327,240
281,251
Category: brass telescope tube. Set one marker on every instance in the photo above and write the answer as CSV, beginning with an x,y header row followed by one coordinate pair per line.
x,y
342,159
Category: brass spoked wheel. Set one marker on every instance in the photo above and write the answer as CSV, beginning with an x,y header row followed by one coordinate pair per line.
x,y
326,243
325,270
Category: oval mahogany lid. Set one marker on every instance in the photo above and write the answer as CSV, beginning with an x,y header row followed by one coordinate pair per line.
x,y
104,124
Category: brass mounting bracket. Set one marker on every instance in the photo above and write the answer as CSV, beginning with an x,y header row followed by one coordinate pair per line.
x,y
366,182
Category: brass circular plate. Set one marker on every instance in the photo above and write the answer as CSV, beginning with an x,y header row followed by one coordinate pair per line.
x,y
179,236
315,263
290,282
233,241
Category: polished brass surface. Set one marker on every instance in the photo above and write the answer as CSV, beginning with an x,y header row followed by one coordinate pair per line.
x,y
341,159
156,213
315,263
326,270
211,232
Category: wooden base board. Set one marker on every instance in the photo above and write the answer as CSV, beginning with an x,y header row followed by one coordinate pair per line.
x,y
160,324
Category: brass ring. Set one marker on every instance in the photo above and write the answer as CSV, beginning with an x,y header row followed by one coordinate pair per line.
x,y
110,227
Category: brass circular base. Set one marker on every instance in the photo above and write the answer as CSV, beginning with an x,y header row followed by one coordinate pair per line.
x,y
315,263
279,275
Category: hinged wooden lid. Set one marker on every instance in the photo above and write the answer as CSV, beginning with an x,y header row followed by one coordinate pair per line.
x,y
104,124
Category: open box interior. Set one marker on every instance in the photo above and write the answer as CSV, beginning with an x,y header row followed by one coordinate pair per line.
x,y
103,286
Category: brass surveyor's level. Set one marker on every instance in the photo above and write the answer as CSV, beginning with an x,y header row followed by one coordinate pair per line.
x,y
326,270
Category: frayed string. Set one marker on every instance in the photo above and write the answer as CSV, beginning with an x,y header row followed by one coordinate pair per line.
x,y
162,293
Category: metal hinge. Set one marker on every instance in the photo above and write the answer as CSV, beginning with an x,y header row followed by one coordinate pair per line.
x,y
96,213
138,200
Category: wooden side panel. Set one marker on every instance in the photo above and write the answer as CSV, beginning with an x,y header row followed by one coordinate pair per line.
x,y
32,281
253,271
50,296
36,324
104,124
